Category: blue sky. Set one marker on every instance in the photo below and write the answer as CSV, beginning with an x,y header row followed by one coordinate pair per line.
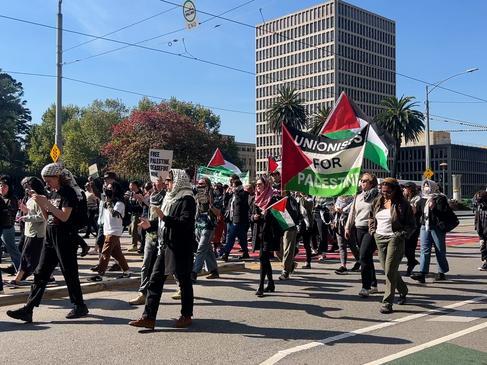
x,y
435,39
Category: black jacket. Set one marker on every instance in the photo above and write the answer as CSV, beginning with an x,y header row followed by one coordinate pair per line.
x,y
481,220
292,207
267,232
435,214
240,201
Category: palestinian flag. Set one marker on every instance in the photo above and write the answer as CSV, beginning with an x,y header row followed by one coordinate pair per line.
x,y
345,120
273,165
279,211
218,162
320,165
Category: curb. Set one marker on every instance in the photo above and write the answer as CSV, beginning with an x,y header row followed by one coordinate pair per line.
x,y
87,288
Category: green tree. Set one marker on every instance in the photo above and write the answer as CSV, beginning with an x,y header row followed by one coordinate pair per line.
x,y
402,121
319,120
196,113
288,109
15,121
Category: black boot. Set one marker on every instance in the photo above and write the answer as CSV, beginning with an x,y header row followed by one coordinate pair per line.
x,y
270,288
23,314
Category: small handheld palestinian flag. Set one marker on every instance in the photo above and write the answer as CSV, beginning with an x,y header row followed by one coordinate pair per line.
x,y
273,165
279,211
218,162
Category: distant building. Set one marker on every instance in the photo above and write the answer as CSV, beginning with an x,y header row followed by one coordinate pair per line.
x,y
436,137
322,51
246,154
468,161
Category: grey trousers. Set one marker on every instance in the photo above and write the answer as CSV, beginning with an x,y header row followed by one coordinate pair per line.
x,y
204,253
342,245
288,249
150,255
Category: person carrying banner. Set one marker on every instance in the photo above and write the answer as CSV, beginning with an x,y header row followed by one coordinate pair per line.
x,y
391,222
358,225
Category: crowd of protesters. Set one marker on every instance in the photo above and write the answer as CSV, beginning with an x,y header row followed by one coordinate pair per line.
x,y
181,226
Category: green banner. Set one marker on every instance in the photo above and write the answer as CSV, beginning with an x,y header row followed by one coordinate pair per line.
x,y
218,175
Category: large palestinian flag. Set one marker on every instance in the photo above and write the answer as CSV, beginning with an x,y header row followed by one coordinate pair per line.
x,y
320,165
346,119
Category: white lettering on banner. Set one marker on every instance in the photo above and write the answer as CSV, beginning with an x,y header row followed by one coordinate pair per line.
x,y
320,146
160,162
328,182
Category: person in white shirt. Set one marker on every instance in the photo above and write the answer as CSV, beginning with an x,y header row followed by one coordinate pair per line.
x,y
114,211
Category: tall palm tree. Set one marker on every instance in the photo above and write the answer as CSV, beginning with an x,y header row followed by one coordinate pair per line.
x,y
288,109
401,120
319,119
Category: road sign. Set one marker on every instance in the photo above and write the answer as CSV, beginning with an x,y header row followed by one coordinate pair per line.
x,y
428,174
189,13
55,153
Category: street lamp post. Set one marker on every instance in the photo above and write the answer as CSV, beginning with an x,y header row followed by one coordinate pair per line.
x,y
427,126
443,167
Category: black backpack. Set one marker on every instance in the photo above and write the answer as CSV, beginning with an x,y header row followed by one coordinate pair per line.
x,y
81,211
447,220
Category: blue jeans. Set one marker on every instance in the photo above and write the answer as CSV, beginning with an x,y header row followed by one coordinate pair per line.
x,y
236,230
204,253
8,238
428,238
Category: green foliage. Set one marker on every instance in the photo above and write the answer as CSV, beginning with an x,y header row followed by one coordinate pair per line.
x,y
14,124
288,109
196,113
319,120
401,120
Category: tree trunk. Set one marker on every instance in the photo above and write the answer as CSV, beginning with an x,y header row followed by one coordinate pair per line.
x,y
395,160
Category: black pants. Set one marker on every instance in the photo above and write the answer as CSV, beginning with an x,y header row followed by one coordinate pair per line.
x,y
91,226
100,238
410,248
59,248
320,231
79,241
156,284
367,247
306,236
265,268
483,248
31,253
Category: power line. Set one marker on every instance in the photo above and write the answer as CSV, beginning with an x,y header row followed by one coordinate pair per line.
x,y
158,36
122,90
464,130
458,121
457,102
122,28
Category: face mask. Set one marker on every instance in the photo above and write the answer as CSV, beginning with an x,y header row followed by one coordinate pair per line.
x,y
109,193
427,190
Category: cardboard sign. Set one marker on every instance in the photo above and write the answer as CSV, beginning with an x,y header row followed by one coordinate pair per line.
x,y
160,162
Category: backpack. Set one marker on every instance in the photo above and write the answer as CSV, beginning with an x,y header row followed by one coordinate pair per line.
x,y
81,211
447,220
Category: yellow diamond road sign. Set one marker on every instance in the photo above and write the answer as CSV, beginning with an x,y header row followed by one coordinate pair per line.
x,y
428,174
55,153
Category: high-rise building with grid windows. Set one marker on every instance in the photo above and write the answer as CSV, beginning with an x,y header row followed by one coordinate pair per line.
x,y
322,51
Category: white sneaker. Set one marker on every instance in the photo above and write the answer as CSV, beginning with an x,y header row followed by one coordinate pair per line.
x,y
364,293
140,299
373,290
176,295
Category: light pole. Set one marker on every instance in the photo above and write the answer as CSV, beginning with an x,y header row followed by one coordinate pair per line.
x,y
58,138
427,127
443,167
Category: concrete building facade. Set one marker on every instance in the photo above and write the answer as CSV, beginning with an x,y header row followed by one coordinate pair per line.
x,y
322,51
246,154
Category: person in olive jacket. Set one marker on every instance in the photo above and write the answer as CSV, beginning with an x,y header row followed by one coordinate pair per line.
x,y
391,222
176,225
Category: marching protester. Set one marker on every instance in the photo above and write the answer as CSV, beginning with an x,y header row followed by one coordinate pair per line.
x,y
436,220
391,222
114,210
3,221
92,202
206,217
175,226
108,178
481,226
237,215
34,230
306,226
411,194
59,246
343,205
289,238
267,232
218,203
134,198
151,241
320,230
7,231
358,225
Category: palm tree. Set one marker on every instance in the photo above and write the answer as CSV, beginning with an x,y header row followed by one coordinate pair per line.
x,y
319,119
288,109
402,122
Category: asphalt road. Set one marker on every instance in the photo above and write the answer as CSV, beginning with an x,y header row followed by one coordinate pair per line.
x,y
314,318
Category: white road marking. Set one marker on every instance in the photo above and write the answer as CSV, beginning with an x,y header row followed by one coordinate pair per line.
x,y
283,353
426,345
459,316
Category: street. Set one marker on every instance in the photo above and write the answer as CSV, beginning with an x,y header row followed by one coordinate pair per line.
x,y
313,318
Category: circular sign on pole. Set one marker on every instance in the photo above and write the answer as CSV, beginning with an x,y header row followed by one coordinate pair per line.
x,y
189,13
